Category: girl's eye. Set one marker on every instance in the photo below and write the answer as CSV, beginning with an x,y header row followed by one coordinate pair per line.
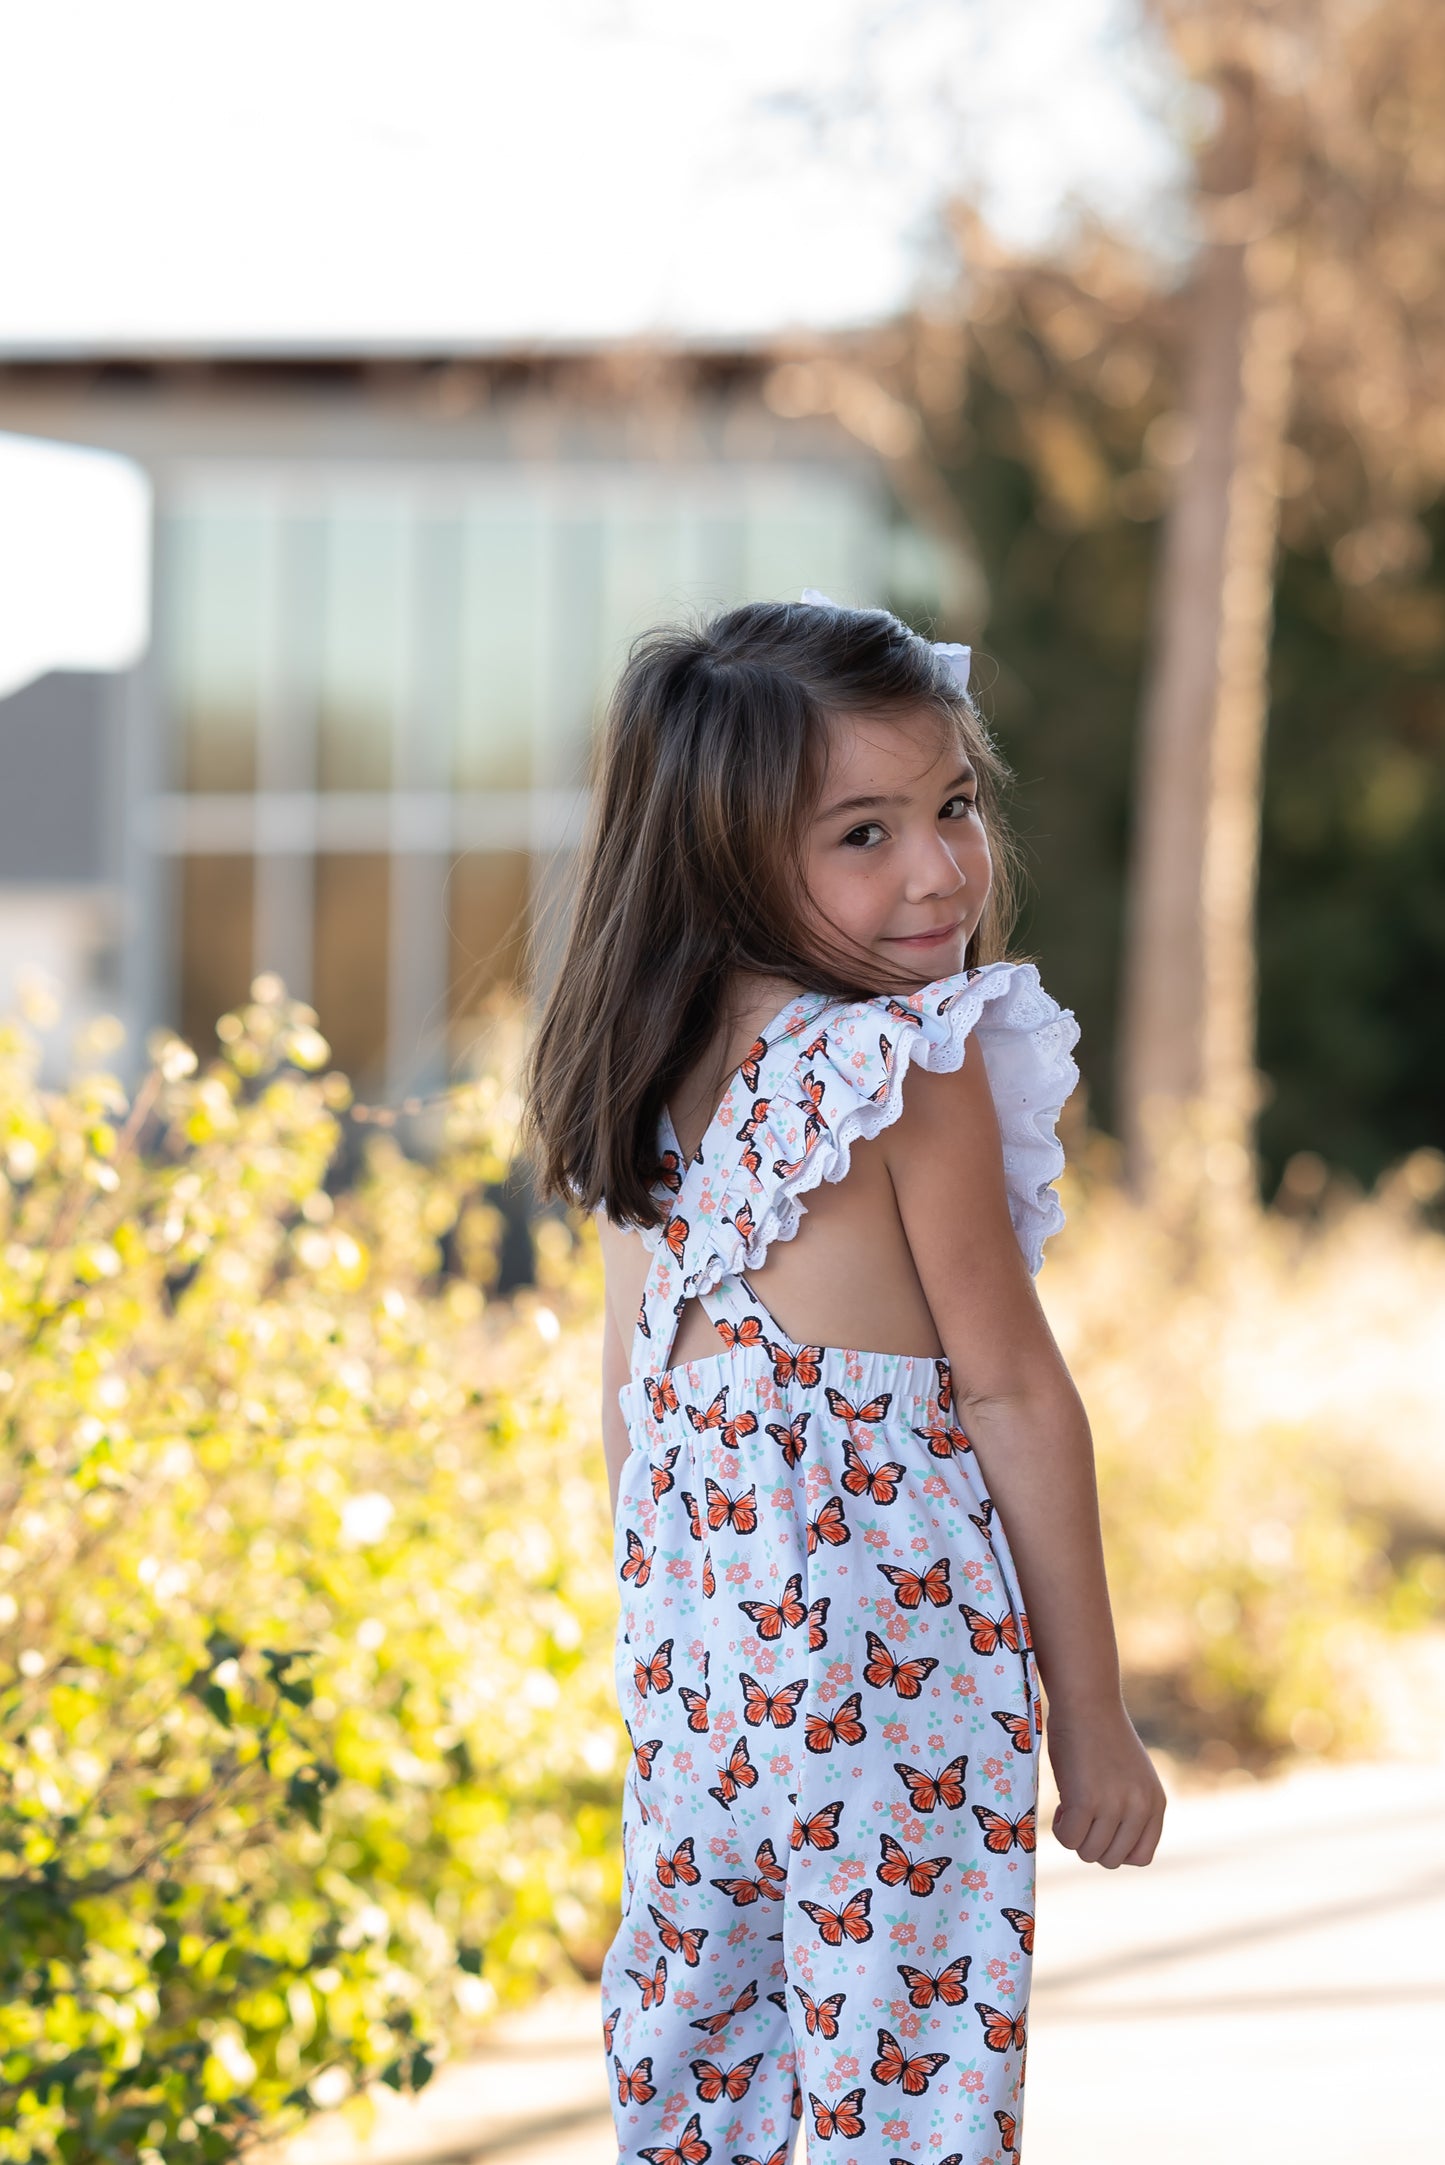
x,y
850,840
970,804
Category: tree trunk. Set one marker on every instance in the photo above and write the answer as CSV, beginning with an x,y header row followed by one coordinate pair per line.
x,y
1188,1086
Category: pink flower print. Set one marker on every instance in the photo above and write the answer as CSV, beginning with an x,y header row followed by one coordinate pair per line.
x,y
935,1485
884,1609
815,1479
913,1830
673,2107
685,1999
972,1568
751,1643
765,1661
738,1573
935,1744
718,1845
876,1538
975,1879
993,1768
695,1650
732,2133
840,1673
682,1762
641,1946
724,1722
896,1732
895,2131
965,1685
726,1464
827,1693
782,1499
679,1567
919,1543
903,1934
838,1884
997,1969
780,1765
908,2024
897,1628
738,1933
845,2067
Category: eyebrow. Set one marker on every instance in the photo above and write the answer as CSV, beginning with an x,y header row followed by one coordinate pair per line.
x,y
877,804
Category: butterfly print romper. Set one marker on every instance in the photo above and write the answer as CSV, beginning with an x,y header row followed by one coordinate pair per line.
x,y
823,1660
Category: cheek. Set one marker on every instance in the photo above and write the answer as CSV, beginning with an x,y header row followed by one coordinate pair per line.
x,y
845,890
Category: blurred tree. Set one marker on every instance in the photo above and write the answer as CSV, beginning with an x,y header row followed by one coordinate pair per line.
x,y
1319,193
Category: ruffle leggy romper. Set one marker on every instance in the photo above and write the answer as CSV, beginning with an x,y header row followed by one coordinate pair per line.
x,y
823,1660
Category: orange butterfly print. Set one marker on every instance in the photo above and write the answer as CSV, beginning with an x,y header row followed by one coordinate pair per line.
x,y
634,2085
914,1587
829,1527
654,1674
678,1869
844,1726
675,1234
714,2082
945,1384
1008,2129
802,1367
609,2028
661,1395
745,1224
932,1792
943,1441
740,1511
768,1886
653,1988
883,1670
694,1516
1019,1729
716,2025
715,1416
662,1476
986,1634
919,1875
1001,2032
670,1175
771,1616
844,2118
878,1483
1023,1923
983,1520
750,1071
638,1564
948,1985
778,1707
864,1416
677,1941
778,2156
696,1703
955,2157
819,1830
1001,1835
849,1922
821,2016
709,1583
790,1440
894,2065
817,1622
739,1773
747,1333
689,2149
643,1755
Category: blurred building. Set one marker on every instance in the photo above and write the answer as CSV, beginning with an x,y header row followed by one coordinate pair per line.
x,y
386,596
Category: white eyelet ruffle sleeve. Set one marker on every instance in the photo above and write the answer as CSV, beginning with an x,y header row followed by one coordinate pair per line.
x,y
843,1083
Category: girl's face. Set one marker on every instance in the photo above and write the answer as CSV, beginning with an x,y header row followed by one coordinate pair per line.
x,y
896,857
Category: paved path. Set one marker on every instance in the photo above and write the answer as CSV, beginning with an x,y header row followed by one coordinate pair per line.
x,y
1270,1991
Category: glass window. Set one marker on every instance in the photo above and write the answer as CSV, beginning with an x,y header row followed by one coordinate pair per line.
x,y
504,628
214,589
487,901
217,897
352,967
361,659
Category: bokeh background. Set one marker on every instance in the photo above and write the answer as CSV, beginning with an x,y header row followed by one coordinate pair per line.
x,y
369,378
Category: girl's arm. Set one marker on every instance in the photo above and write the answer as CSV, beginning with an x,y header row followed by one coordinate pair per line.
x,y
1018,1405
615,1441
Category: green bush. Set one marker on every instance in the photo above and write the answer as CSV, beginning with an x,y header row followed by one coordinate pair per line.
x,y
307,1749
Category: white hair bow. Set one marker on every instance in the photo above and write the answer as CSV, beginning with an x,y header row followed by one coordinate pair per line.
x,y
957,659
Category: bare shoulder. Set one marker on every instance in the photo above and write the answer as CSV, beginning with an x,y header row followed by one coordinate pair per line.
x,y
945,1157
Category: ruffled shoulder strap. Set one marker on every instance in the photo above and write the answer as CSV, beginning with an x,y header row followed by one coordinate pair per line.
x,y
840,1081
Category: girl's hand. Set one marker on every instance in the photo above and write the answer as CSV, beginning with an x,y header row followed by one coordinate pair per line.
x,y
1111,1802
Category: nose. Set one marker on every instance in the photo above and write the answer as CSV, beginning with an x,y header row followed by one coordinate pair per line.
x,y
935,872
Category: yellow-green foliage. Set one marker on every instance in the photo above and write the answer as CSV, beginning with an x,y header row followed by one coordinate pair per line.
x,y
1269,1421
306,1735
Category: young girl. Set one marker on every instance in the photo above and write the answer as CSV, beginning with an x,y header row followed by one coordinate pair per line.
x,y
842,1442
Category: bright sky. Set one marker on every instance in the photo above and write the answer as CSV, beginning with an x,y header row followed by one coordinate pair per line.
x,y
176,172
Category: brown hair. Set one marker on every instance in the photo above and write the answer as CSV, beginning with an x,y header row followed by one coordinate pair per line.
x,y
712,759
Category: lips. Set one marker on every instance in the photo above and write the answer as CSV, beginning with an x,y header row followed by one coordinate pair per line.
x,y
938,932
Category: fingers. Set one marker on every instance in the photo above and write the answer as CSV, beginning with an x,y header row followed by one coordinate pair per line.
x,y
1114,1834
